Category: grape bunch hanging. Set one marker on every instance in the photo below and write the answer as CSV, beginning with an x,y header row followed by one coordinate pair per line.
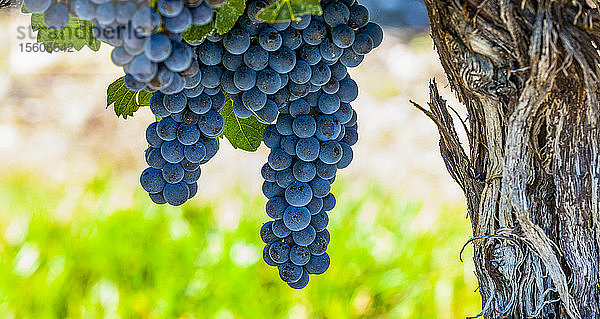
x,y
290,76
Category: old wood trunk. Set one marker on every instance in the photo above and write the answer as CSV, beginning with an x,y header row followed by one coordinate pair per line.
x,y
528,73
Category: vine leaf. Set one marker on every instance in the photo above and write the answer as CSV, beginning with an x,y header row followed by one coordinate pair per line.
x,y
77,34
228,14
286,10
245,134
125,101
225,18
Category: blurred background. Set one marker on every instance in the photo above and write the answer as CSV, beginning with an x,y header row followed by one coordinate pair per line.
x,y
80,239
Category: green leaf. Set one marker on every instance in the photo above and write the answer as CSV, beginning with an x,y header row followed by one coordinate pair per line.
x,y
245,134
287,10
76,35
197,32
225,18
125,101
228,14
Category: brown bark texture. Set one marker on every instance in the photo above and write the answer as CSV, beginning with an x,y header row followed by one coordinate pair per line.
x,y
527,72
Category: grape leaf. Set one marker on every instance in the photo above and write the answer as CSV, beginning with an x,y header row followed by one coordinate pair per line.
x,y
245,134
286,10
228,14
76,35
225,18
125,101
197,33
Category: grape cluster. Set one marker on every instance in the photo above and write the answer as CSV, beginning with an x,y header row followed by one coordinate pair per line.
x,y
315,128
147,40
179,143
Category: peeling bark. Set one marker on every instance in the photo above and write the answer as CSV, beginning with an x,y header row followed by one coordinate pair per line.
x,y
527,72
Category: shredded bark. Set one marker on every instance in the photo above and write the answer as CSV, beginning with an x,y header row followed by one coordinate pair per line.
x,y
528,73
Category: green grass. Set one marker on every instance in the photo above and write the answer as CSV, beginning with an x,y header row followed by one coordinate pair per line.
x,y
65,253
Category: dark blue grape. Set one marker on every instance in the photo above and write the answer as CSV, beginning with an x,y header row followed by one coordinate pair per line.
x,y
152,180
304,171
280,230
155,159
211,76
315,205
328,202
319,245
176,194
363,44
268,173
343,36
279,252
254,99
348,91
292,38
266,256
275,207
271,137
290,273
228,83
310,54
321,74
299,255
298,90
304,126
218,101
301,73
285,178
350,59
279,160
175,103
320,187
193,189
296,218
152,137
307,149
325,171
271,190
304,237
318,264
298,108
347,156
338,71
252,28
236,41
173,173
211,124
210,53
270,39
192,176
256,58
189,166
302,22
314,33
231,61
188,134
298,194
331,87
266,233
374,31
302,282
330,51
158,198
268,113
241,110
200,104
359,16
336,14
244,78
268,81
172,151
319,221
282,60
288,144
330,152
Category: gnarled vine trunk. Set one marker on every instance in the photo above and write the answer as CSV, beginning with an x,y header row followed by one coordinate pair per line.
x,y
528,73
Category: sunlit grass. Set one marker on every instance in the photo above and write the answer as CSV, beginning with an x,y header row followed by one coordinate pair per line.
x,y
64,254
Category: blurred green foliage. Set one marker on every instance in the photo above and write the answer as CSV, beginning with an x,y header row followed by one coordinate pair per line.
x,y
64,253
